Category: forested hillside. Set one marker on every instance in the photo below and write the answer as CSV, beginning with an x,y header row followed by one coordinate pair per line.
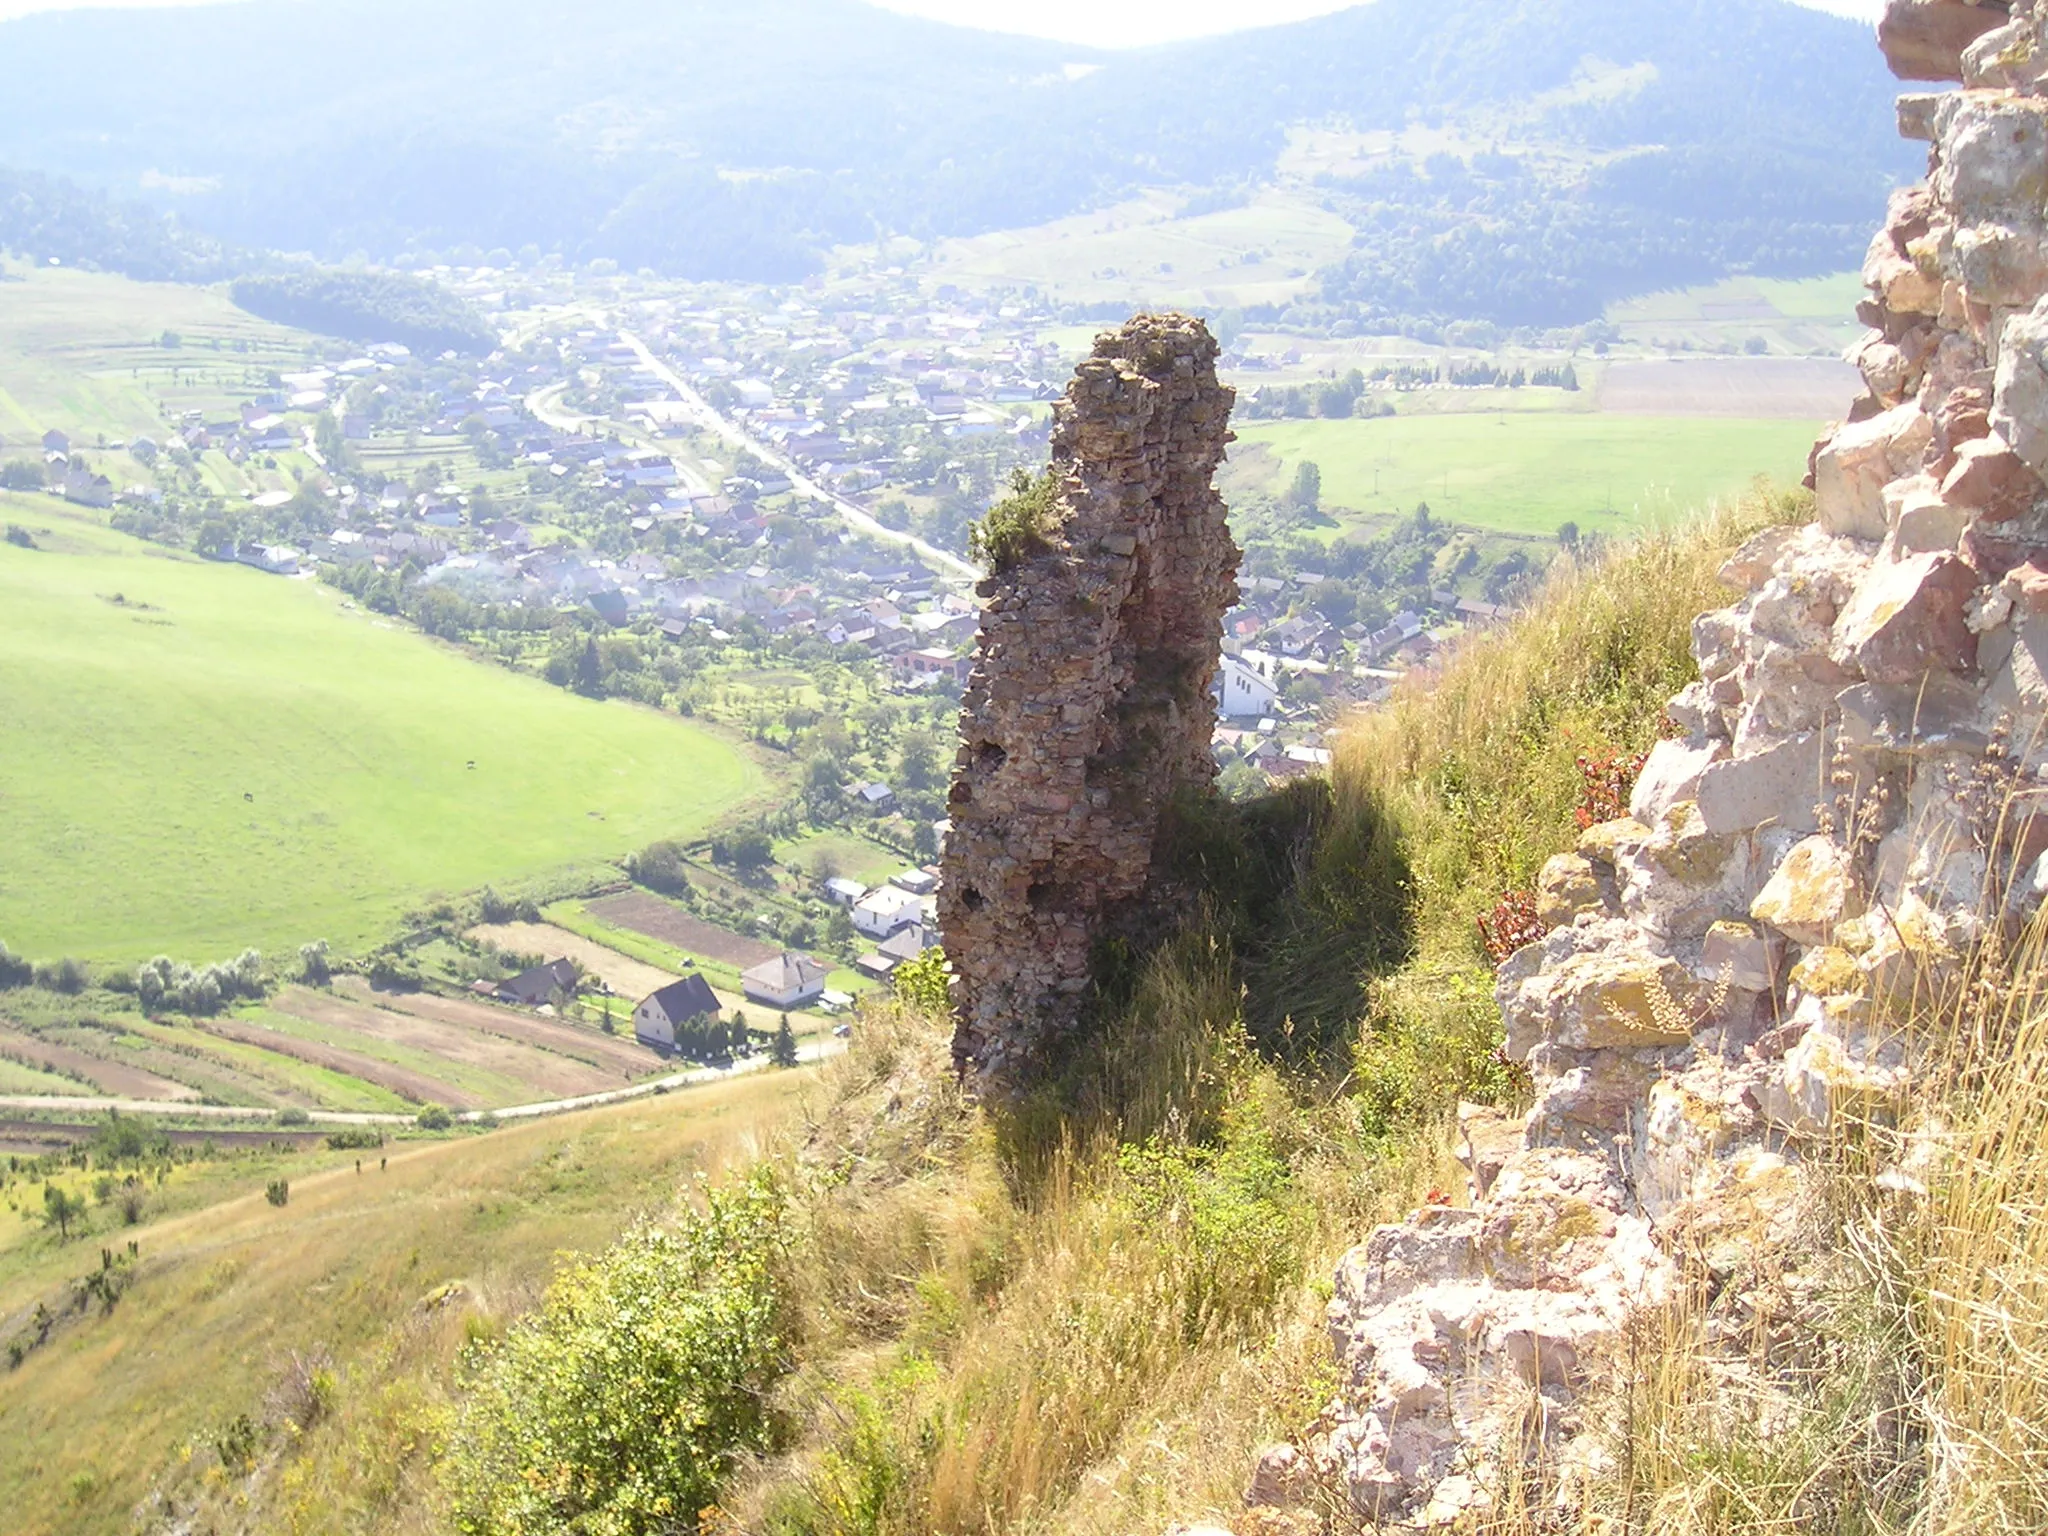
x,y
1569,152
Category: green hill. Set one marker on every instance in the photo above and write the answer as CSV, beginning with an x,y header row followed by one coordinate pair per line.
x,y
202,757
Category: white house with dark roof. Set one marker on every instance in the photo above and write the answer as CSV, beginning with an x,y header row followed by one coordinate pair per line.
x,y
661,1013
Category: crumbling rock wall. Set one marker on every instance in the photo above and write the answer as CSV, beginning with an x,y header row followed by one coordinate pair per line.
x,y
1857,801
1088,708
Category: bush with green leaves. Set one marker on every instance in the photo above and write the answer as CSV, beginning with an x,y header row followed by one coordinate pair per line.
x,y
14,971
163,985
620,1407
435,1117
1020,525
922,982
660,867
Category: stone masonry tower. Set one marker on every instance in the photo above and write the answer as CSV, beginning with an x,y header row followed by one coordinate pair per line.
x,y
1089,704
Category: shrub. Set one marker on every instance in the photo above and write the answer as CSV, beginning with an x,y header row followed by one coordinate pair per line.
x,y
1020,525
293,1115
435,1117
313,967
922,982
659,867
354,1139
624,1402
20,536
14,971
278,1191
68,976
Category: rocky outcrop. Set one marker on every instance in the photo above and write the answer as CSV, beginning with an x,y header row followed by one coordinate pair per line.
x,y
1088,708
1855,803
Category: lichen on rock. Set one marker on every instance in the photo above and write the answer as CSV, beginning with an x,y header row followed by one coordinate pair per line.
x,y
1088,709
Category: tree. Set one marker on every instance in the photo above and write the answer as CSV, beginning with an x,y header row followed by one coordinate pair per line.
x,y
60,1209
783,1052
1568,535
917,761
1306,492
313,969
589,678
435,1117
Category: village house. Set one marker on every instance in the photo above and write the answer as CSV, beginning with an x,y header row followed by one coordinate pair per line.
x,y
1246,688
530,989
884,910
662,1013
788,981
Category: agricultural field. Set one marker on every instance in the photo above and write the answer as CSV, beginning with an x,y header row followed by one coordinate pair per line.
x,y
204,758
1523,473
366,1271
1145,252
1809,317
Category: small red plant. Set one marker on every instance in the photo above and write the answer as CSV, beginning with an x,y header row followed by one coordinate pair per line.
x,y
1609,780
1512,924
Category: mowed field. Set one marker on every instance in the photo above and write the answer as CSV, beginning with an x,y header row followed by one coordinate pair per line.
x,y
377,1271
1527,473
199,757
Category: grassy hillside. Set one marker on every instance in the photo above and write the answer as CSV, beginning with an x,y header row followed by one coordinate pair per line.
x,y
378,1276
1527,472
1080,1317
203,757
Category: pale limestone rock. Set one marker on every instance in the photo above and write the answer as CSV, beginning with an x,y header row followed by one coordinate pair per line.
x,y
1749,958
1777,786
1671,774
1852,470
1813,890
1908,619
1925,39
1609,990
2019,410
1885,638
1566,886
1990,478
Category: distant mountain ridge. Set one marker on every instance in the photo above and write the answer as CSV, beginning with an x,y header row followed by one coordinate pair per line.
x,y
709,140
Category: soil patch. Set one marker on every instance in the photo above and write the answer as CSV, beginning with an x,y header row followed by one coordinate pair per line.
x,y
116,1080
415,1086
613,1053
638,912
626,976
543,1074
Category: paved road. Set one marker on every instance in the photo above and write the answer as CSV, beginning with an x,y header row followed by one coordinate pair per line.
x,y
817,1050
738,436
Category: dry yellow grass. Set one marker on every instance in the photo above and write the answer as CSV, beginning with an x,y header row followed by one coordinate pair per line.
x,y
381,1271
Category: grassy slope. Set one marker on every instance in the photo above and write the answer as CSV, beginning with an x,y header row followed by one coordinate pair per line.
x,y
1529,472
246,762
349,1267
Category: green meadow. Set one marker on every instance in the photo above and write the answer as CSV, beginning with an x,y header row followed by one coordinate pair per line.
x,y
196,757
1525,473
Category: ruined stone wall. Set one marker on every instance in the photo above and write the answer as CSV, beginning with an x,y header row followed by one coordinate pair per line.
x,y
1089,704
1857,801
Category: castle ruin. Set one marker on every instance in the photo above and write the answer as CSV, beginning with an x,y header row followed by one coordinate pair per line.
x,y
1088,709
